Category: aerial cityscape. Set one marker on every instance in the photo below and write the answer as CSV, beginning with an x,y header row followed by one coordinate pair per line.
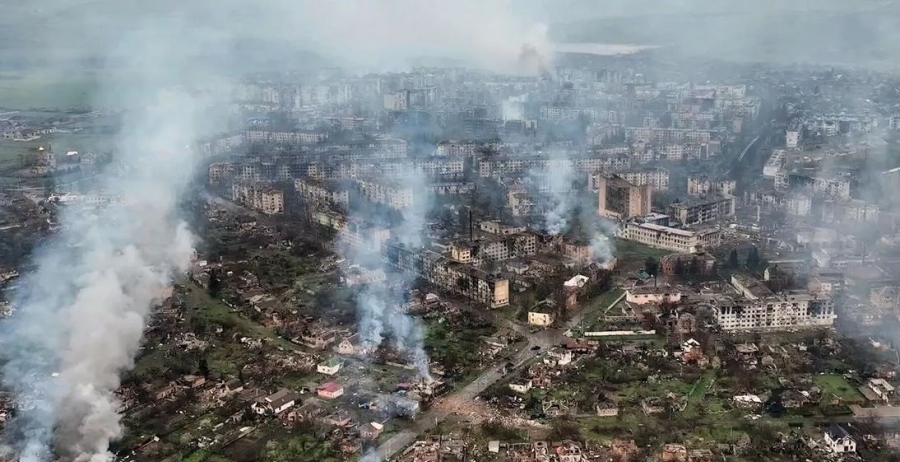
x,y
421,231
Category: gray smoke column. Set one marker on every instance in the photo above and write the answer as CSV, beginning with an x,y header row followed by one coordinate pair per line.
x,y
378,305
82,312
566,202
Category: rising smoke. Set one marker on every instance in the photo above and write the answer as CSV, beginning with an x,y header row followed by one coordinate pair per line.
x,y
378,305
566,209
82,312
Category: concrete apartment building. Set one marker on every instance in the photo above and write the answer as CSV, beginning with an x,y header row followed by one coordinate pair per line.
x,y
663,136
834,187
620,199
775,312
455,277
775,163
703,185
696,210
280,137
317,192
657,178
494,248
352,233
676,240
267,200
220,171
385,192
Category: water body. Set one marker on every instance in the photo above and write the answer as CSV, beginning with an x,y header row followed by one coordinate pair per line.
x,y
600,49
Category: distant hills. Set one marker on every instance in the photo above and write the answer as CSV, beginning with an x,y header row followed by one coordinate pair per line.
x,y
870,36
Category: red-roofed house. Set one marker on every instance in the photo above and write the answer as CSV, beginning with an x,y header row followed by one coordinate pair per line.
x,y
330,390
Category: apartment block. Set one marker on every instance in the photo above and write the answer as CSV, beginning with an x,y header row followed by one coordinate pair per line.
x,y
620,199
657,178
837,187
703,185
775,312
455,277
220,171
264,199
775,163
676,240
317,192
280,137
696,210
385,192
494,248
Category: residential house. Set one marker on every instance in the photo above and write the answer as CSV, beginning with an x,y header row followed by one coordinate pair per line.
x,y
673,453
878,390
521,386
541,315
569,451
329,367
371,431
319,340
838,440
167,391
330,390
558,357
277,402
351,346
338,419
607,409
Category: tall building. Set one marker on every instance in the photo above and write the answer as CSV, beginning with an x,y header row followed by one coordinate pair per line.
x,y
620,199
698,210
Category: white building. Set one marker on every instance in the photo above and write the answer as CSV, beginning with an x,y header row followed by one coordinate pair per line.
x,y
703,185
657,178
540,318
775,163
839,440
674,239
792,139
655,295
775,312
330,367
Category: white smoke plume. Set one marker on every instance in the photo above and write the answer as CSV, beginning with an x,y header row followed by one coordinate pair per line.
x,y
567,204
82,312
378,306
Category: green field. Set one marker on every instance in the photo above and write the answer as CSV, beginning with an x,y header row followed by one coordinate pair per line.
x,y
836,385
631,252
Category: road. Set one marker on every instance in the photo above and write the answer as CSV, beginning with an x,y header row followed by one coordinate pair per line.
x,y
544,338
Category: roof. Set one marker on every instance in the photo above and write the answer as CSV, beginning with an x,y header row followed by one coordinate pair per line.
x,y
836,432
664,229
576,281
330,387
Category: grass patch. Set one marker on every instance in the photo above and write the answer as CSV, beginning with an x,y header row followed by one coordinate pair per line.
x,y
628,251
836,385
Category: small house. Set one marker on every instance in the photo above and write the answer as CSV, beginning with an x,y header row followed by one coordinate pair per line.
x,y
330,390
329,367
838,440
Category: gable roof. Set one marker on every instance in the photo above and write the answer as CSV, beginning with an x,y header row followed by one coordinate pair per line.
x,y
836,432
